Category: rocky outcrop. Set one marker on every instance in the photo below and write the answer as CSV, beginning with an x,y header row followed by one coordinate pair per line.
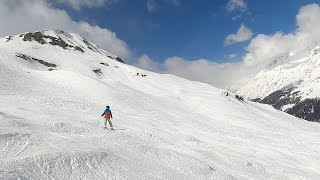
x,y
9,38
37,36
28,58
97,71
58,42
119,59
66,41
41,38
105,64
88,45
78,49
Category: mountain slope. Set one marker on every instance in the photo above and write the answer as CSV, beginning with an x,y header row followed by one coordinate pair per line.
x,y
292,86
166,127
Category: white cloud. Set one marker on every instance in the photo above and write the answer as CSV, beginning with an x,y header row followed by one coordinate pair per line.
x,y
221,75
236,5
77,4
236,17
243,34
32,15
151,5
145,62
265,48
224,75
231,56
238,9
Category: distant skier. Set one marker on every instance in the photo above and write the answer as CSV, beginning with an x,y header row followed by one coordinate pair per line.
x,y
107,115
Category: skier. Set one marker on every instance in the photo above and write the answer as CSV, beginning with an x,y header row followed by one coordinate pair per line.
x,y
107,115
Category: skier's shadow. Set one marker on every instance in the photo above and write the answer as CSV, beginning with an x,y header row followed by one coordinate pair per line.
x,y
119,129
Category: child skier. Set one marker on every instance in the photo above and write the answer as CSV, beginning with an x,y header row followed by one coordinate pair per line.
x,y
107,115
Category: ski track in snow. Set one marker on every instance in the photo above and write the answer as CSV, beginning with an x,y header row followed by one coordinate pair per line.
x,y
166,127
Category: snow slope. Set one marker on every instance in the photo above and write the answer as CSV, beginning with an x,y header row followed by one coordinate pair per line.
x,y
166,127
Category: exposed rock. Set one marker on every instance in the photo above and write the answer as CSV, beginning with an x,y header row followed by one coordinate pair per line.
x,y
9,38
28,37
90,48
86,42
28,58
110,57
226,93
105,64
119,59
256,100
58,42
97,71
79,49
65,44
240,98
38,37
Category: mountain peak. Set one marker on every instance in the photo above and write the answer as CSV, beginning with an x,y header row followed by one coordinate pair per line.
x,y
63,39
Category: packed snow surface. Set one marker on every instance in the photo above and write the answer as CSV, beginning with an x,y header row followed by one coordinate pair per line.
x,y
166,127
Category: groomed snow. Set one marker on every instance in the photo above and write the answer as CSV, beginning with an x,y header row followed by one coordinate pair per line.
x,y
166,127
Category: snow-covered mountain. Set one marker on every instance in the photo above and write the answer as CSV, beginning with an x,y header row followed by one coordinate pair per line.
x,y
291,85
52,96
65,40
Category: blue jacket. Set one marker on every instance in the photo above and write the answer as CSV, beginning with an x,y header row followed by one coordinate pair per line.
x,y
107,111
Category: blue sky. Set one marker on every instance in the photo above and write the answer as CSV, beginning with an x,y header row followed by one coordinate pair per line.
x,y
189,29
